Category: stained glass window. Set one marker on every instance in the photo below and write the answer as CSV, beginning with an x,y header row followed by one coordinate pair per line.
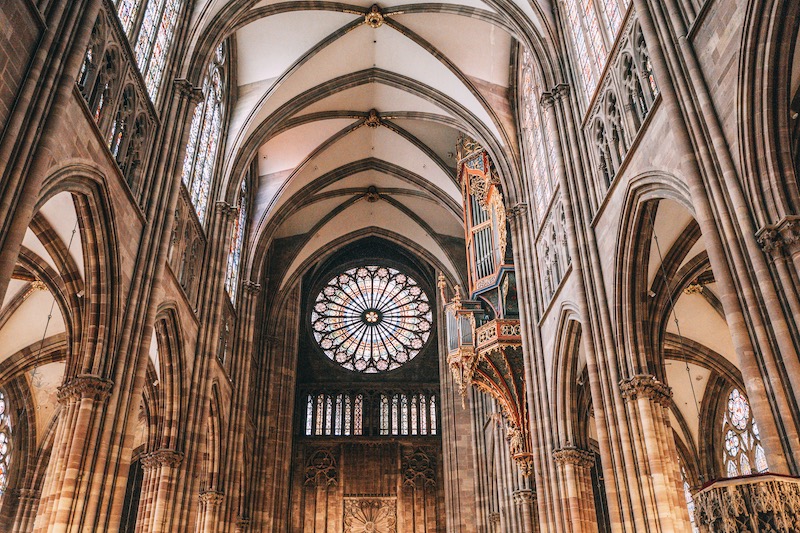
x,y
535,135
237,239
687,493
371,319
587,39
127,11
155,36
5,443
201,149
743,454
612,16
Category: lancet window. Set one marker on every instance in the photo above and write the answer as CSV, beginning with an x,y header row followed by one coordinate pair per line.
x,y
150,26
154,39
743,453
687,493
237,241
370,413
202,147
593,27
538,144
5,444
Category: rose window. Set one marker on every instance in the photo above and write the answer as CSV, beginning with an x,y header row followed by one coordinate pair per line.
x,y
371,319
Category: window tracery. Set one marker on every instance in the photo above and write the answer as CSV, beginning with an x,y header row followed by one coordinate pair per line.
x,y
538,143
371,319
237,241
347,413
5,443
155,37
743,453
201,149
127,10
687,493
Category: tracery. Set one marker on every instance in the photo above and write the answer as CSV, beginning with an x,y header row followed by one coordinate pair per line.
x,y
5,444
371,319
743,453
237,240
201,149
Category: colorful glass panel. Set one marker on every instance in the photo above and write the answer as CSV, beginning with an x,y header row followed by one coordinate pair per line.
x,y
155,37
536,137
588,75
371,319
201,148
742,443
5,444
127,10
237,241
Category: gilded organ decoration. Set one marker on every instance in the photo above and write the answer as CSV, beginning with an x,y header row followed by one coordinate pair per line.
x,y
483,332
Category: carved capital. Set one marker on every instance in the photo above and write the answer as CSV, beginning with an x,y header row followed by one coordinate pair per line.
x,y
573,456
494,519
185,88
226,209
785,234
560,91
646,386
85,386
251,286
524,497
213,497
374,18
242,523
517,211
162,457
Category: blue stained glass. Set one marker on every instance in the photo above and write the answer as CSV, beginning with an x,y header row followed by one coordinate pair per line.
x,y
127,11
201,148
371,319
5,444
237,240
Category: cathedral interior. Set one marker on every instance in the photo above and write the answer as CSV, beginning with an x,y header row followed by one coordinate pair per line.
x,y
464,266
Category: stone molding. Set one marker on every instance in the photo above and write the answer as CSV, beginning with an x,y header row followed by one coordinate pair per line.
x,y
646,386
85,386
573,456
760,503
251,286
784,235
524,497
214,497
185,88
226,209
162,457
517,211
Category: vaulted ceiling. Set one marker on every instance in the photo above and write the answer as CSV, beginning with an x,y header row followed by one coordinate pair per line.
x,y
353,112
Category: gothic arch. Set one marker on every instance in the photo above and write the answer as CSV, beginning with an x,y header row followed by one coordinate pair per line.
x,y
565,383
769,166
631,264
99,243
171,395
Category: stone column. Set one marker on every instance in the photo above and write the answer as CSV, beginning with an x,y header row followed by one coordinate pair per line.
x,y
648,401
575,469
494,521
525,500
83,399
210,501
160,470
27,504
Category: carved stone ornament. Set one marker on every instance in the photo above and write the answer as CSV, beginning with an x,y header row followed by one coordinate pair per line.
x,y
760,503
370,515
646,386
251,286
185,88
374,17
373,119
85,386
419,469
213,497
524,497
573,456
321,469
162,457
774,238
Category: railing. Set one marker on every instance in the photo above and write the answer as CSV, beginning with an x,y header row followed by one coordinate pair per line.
x,y
764,502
